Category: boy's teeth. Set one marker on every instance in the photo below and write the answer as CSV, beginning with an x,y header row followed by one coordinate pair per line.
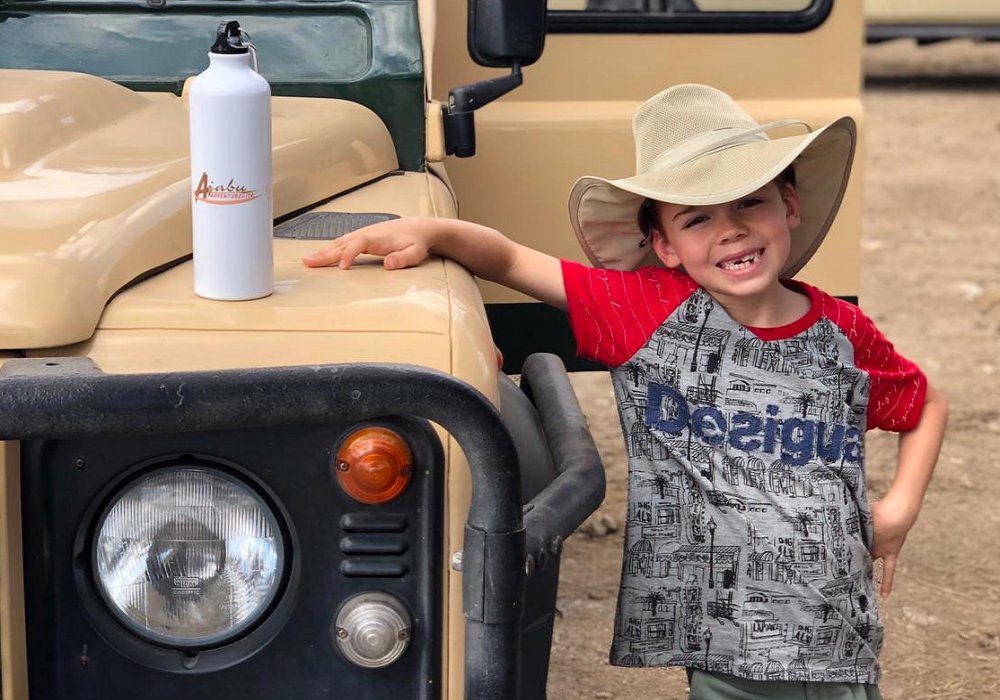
x,y
739,264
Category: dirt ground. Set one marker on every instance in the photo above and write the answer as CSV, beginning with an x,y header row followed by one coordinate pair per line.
x,y
931,251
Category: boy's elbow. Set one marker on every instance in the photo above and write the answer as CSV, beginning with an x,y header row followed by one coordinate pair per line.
x,y
938,400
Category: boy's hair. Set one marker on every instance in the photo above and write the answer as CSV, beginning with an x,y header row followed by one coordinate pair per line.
x,y
647,211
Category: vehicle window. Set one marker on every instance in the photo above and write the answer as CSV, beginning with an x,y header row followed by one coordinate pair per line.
x,y
694,16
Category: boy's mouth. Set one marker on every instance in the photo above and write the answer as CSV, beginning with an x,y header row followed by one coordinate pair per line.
x,y
741,261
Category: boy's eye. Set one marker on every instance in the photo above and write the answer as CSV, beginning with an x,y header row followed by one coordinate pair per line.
x,y
695,220
751,202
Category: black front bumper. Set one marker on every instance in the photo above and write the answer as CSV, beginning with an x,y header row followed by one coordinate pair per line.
x,y
66,398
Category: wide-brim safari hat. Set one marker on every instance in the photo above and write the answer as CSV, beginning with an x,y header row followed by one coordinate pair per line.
x,y
695,146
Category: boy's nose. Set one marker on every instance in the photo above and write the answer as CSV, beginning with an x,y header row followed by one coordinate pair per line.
x,y
733,229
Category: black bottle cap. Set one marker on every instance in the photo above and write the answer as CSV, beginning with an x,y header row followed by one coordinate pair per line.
x,y
228,38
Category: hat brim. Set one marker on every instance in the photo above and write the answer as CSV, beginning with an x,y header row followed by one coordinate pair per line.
x,y
604,213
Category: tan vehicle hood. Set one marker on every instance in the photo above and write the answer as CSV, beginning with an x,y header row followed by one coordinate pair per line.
x,y
95,189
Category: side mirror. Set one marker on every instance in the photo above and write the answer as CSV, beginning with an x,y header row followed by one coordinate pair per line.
x,y
506,33
502,34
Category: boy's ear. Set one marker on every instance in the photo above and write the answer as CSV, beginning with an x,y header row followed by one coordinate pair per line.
x,y
664,250
793,206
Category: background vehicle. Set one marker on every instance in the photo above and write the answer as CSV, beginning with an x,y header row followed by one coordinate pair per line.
x,y
929,22
94,203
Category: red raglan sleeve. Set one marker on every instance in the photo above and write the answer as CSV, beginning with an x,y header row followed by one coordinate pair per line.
x,y
898,386
614,313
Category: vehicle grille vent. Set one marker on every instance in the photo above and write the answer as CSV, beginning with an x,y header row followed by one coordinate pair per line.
x,y
374,545
327,225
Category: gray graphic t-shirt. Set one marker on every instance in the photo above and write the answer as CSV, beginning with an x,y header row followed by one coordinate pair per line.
x,y
747,532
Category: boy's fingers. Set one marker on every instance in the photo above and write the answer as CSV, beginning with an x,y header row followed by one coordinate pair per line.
x,y
398,251
888,570
348,248
329,255
351,250
409,256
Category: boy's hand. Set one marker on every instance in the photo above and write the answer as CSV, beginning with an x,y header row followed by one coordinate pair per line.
x,y
483,251
894,515
402,243
891,521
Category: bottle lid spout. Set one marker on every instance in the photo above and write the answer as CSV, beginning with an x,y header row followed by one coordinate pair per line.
x,y
229,38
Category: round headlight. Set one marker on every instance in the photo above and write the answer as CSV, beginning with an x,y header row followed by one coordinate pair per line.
x,y
188,557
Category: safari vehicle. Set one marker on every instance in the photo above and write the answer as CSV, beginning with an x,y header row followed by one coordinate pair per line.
x,y
330,491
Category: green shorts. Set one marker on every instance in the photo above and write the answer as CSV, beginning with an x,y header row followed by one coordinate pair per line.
x,y
718,686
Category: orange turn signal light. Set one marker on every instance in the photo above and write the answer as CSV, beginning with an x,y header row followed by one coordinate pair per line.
x,y
374,465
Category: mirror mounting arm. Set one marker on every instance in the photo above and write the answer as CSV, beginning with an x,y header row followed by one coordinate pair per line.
x,y
459,118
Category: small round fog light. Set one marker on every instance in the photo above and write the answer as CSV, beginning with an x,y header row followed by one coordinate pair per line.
x,y
372,629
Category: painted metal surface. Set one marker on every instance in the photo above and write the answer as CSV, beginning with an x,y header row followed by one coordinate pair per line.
x,y
315,315
94,189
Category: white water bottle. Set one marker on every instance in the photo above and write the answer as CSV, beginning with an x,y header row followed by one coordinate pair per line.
x,y
231,207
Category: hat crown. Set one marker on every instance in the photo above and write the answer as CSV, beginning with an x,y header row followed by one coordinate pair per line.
x,y
680,114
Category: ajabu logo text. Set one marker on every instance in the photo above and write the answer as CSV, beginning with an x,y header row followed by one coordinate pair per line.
x,y
210,192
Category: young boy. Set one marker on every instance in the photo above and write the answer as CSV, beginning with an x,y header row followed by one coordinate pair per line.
x,y
744,397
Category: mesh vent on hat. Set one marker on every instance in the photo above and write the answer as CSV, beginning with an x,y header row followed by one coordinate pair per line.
x,y
680,113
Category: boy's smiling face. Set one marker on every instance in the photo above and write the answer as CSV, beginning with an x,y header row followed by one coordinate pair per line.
x,y
735,250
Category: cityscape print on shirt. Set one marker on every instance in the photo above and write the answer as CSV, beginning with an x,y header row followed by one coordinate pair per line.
x,y
747,522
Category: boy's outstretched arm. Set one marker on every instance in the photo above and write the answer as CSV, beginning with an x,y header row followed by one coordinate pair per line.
x,y
895,514
483,251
